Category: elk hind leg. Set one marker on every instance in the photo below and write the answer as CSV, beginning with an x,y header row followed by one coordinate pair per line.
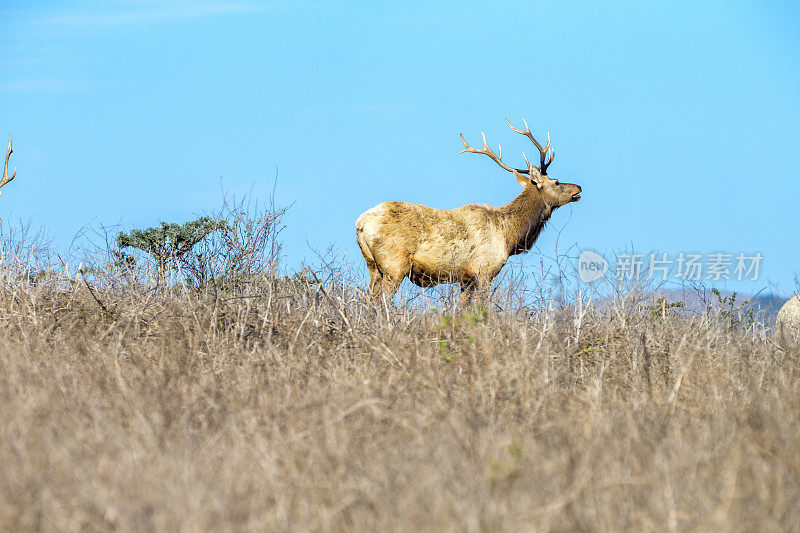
x,y
391,275
375,280
389,286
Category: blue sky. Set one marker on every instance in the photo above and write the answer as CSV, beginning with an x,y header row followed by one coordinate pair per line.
x,y
680,120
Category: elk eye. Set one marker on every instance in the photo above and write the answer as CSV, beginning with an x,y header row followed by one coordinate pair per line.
x,y
557,182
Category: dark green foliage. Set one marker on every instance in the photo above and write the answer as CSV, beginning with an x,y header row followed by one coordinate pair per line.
x,y
305,277
170,243
732,314
227,251
662,306
172,240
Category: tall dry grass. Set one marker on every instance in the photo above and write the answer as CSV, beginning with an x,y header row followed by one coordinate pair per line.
x,y
295,405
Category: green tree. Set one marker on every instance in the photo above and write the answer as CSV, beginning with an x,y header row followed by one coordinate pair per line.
x,y
170,243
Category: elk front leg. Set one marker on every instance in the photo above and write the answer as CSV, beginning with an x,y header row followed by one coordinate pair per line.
x,y
478,285
467,292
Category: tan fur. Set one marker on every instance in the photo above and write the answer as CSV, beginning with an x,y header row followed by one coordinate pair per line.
x,y
788,320
467,245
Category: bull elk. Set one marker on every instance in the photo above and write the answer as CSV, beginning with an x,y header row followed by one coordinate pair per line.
x,y
467,245
6,179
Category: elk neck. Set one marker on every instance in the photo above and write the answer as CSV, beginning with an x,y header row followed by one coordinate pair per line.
x,y
523,219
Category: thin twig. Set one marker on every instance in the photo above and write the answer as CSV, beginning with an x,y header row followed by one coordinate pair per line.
x,y
91,291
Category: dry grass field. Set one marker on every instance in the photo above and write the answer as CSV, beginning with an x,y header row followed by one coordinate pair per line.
x,y
298,406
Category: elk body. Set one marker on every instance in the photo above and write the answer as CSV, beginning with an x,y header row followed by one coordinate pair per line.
x,y
788,319
467,245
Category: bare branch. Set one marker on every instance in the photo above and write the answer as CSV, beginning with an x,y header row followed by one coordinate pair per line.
x,y
6,179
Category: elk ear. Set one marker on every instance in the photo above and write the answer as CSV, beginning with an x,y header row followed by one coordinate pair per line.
x,y
534,176
535,179
522,179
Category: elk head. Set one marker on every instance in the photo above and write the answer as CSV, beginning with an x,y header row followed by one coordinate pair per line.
x,y
553,192
6,179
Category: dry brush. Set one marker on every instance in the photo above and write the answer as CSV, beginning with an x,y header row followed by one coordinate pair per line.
x,y
296,405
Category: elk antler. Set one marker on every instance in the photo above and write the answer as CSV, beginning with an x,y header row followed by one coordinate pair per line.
x,y
488,151
544,160
6,179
